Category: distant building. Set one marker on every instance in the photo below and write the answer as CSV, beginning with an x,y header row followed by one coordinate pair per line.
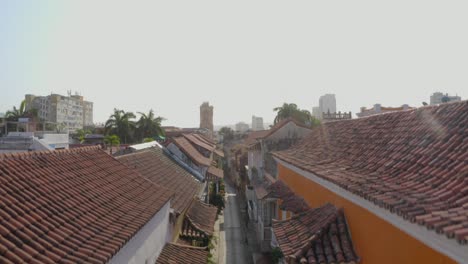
x,y
327,109
326,117
72,110
257,123
378,109
316,112
206,116
242,127
2,123
438,98
33,141
327,103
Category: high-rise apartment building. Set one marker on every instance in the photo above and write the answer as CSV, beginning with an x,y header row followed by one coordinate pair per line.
x,y
327,103
438,98
257,123
72,111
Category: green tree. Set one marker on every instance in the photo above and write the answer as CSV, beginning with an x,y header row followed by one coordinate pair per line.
x,y
146,140
16,113
149,125
81,133
112,140
285,111
292,111
121,124
227,133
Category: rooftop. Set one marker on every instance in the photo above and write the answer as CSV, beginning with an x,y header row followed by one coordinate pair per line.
x,y
202,216
155,166
77,205
190,151
412,163
319,235
219,173
255,135
199,142
176,253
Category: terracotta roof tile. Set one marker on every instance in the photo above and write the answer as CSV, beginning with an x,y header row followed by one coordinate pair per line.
x,y
180,254
194,139
155,166
319,235
216,172
78,205
279,190
413,163
294,204
205,139
253,136
202,216
190,151
219,152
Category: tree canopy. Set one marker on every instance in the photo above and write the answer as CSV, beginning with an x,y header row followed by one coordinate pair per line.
x,y
227,133
123,124
292,111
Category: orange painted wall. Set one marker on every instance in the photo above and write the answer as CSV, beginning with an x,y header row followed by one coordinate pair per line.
x,y
375,240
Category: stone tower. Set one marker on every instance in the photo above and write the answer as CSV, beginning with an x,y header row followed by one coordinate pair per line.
x,y
206,116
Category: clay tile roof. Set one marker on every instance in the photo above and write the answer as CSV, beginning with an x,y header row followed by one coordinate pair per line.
x,y
253,136
216,172
260,190
319,235
413,163
202,216
155,166
181,254
194,139
219,152
279,190
190,151
294,204
205,139
69,206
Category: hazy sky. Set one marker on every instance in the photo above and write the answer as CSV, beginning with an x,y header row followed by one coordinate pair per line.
x,y
244,57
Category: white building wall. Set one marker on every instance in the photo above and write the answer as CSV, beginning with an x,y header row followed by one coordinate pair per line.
x,y
255,160
56,141
148,243
179,154
290,130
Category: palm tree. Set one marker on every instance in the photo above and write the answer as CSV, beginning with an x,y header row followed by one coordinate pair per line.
x,y
120,123
292,111
17,113
285,111
149,126
112,140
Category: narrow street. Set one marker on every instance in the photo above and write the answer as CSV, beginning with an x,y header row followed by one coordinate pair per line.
x,y
232,231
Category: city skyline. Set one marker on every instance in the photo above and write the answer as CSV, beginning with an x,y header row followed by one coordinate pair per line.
x,y
243,67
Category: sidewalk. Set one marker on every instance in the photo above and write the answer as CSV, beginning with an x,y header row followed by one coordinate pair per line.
x,y
219,241
248,231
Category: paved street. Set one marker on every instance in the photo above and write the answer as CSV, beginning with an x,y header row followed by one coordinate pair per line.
x,y
236,248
